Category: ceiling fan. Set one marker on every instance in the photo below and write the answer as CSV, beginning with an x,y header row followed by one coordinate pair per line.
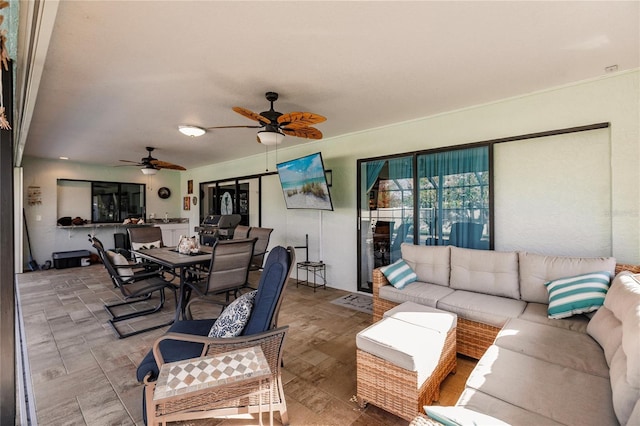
x,y
274,124
150,165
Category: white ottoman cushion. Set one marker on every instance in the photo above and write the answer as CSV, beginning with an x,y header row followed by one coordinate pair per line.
x,y
423,316
409,346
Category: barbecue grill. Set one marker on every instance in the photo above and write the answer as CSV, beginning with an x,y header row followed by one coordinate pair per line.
x,y
216,226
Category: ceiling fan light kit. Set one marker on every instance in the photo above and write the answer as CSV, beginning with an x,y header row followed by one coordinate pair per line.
x,y
267,137
192,131
274,124
150,165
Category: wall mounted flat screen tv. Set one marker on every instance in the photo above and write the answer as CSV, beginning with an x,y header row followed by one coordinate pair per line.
x,y
304,183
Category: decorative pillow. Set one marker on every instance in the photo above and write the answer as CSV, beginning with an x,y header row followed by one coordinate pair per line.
x,y
144,246
578,294
119,260
232,320
460,416
399,274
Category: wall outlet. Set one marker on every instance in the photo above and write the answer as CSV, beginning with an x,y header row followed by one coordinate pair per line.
x,y
38,218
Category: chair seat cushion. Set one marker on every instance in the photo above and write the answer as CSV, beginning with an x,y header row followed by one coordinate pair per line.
x,y
173,350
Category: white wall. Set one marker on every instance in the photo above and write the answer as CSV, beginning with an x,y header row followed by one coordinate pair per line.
x,y
613,99
47,238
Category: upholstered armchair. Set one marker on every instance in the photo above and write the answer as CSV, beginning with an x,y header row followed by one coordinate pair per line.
x,y
188,339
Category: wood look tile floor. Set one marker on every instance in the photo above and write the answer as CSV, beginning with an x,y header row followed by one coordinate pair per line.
x,y
82,374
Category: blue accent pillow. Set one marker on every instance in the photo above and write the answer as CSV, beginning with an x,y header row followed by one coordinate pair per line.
x,y
577,295
399,274
233,319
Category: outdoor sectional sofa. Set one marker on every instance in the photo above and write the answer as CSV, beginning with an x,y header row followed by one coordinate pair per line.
x,y
582,370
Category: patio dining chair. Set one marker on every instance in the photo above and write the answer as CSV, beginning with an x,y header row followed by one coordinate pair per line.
x,y
135,287
228,272
189,339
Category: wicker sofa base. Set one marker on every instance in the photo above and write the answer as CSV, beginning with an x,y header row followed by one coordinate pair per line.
x,y
395,389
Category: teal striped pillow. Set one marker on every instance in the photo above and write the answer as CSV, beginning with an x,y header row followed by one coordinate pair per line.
x,y
399,274
577,295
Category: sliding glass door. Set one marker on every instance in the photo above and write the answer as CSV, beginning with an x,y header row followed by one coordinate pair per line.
x,y
454,198
431,197
386,213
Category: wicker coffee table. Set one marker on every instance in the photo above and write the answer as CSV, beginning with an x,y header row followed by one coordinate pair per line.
x,y
403,359
193,388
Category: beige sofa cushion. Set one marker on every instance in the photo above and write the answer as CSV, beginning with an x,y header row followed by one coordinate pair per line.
x,y
484,308
616,327
512,414
536,269
606,329
554,391
538,312
430,263
485,271
560,346
418,292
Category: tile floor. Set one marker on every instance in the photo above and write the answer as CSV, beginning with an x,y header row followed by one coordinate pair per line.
x,y
83,375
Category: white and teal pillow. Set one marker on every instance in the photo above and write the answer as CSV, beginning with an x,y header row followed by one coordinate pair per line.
x,y
399,274
577,295
233,319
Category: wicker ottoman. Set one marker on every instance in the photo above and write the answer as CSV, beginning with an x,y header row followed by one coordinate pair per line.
x,y
403,359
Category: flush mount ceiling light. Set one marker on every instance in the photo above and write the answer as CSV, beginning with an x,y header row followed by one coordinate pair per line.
x,y
270,137
193,131
149,170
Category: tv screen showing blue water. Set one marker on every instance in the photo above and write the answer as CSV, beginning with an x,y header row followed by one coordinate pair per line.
x,y
304,184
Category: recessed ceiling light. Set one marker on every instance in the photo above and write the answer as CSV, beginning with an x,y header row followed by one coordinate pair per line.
x,y
64,158
192,131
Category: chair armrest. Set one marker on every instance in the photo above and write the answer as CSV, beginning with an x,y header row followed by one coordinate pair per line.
x,y
212,346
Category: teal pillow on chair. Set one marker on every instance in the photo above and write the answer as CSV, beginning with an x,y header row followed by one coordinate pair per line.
x,y
399,274
577,295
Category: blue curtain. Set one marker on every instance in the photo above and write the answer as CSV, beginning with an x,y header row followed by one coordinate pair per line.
x,y
457,205
373,171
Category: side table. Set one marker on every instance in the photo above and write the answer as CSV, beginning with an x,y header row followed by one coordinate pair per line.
x,y
318,269
197,388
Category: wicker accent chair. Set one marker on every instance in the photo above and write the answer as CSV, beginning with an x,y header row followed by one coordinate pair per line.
x,y
135,287
188,339
228,272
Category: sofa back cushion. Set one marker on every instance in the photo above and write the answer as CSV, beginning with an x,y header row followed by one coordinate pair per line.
x,y
616,327
537,269
485,271
430,263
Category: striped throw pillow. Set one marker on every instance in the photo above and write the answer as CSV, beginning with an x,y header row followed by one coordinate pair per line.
x,y
577,295
399,274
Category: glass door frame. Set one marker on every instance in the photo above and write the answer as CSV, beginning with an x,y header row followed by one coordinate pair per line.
x,y
360,250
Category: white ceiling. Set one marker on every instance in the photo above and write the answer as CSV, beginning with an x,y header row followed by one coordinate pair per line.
x,y
122,75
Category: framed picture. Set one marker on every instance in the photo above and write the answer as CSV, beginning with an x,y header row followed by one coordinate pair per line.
x,y
189,187
186,203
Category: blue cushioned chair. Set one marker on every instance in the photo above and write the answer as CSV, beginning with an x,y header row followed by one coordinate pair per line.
x,y
188,338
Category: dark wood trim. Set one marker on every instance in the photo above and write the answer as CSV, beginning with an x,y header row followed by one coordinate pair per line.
x,y
7,264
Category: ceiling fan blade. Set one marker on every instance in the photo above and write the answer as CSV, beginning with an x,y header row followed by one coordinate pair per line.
x,y
164,165
137,163
295,120
233,127
251,115
303,132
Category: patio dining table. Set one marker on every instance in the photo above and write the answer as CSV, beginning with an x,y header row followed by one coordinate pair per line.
x,y
171,259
